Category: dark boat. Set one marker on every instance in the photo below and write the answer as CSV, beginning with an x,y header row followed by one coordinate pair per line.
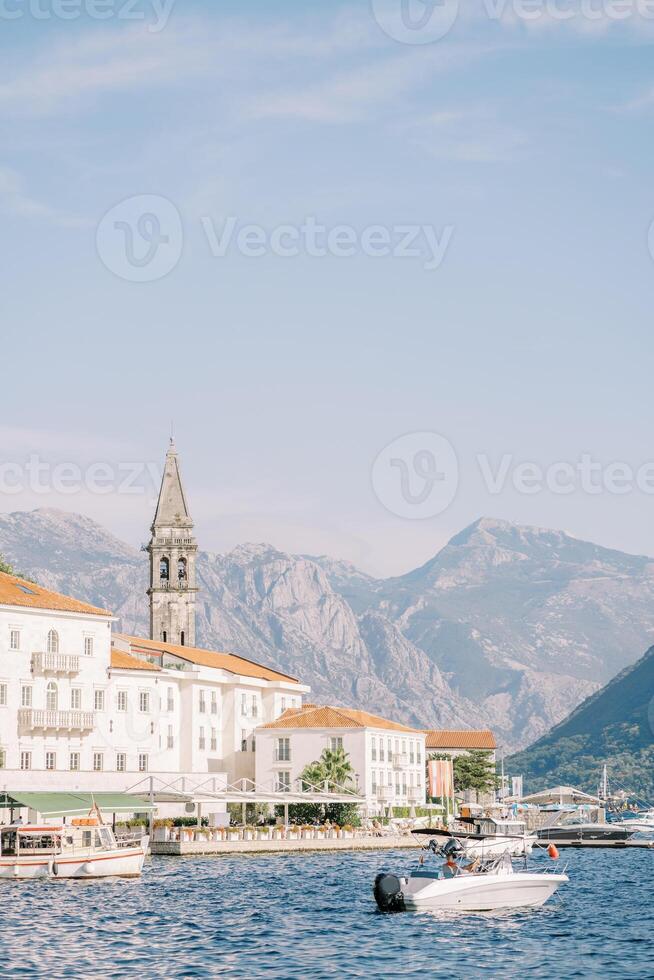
x,y
585,834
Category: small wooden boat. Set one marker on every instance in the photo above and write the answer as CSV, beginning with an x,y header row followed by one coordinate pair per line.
x,y
84,848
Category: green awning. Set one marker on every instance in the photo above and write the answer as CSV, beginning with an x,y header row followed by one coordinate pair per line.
x,y
74,804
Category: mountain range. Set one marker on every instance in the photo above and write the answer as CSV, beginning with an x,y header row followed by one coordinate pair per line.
x,y
615,725
507,627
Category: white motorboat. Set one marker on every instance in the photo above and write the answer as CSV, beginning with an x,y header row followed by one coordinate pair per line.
x,y
640,823
491,886
487,837
85,848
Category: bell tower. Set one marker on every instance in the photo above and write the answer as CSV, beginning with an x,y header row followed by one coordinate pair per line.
x,y
173,551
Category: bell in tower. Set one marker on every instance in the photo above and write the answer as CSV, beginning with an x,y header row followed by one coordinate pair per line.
x,y
173,551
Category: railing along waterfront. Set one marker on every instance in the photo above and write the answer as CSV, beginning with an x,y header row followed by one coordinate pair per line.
x,y
55,663
36,718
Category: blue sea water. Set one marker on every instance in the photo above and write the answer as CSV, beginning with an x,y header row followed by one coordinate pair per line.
x,y
292,916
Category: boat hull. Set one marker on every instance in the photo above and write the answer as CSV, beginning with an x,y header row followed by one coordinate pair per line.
x,y
481,893
122,863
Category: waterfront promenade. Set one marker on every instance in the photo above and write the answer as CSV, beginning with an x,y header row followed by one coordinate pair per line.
x,y
203,847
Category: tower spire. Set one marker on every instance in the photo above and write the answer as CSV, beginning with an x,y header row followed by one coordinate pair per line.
x,y
173,552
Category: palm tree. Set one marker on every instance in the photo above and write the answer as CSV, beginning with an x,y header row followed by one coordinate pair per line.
x,y
333,767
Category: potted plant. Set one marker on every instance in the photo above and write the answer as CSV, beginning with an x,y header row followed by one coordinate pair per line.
x,y
162,830
293,833
307,832
348,830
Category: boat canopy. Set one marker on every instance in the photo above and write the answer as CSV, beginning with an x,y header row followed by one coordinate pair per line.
x,y
558,794
74,804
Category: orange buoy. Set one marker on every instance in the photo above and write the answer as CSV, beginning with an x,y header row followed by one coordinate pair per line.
x,y
553,852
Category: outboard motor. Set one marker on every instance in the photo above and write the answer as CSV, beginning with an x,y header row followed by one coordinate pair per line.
x,y
388,893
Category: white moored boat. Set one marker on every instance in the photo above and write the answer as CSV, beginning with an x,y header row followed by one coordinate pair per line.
x,y
85,848
492,886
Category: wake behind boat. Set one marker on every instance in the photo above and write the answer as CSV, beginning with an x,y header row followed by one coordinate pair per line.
x,y
483,887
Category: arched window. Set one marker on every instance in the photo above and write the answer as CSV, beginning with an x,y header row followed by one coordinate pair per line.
x,y
164,569
164,637
182,638
51,696
53,642
181,569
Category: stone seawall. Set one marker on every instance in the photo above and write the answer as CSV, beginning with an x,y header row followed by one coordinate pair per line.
x,y
197,848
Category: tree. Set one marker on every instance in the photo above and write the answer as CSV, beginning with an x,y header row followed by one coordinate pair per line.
x,y
333,767
472,770
6,567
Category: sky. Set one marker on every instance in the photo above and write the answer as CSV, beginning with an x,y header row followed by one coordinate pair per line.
x,y
383,268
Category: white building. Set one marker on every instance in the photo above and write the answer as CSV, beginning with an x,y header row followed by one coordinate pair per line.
x,y
388,758
82,710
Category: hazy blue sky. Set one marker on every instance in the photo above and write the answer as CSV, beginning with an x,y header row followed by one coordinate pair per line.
x,y
531,141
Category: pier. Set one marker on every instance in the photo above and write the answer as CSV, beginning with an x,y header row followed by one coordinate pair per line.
x,y
198,848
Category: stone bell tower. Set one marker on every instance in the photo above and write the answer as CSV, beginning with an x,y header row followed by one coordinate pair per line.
x,y
173,551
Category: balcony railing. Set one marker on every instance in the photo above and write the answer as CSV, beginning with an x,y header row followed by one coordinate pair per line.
x,y
384,792
415,794
400,760
69,721
54,663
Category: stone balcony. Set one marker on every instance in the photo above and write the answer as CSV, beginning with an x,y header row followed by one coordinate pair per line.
x,y
385,793
35,719
55,663
415,794
400,760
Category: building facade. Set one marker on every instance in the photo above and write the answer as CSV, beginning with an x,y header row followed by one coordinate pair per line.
x,y
388,759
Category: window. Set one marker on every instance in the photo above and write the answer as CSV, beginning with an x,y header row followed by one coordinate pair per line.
x,y
181,570
26,760
373,748
170,741
283,751
3,695
74,761
418,753
170,703
397,784
144,702
26,696
76,698
88,646
182,639
143,762
98,700
373,786
202,742
50,760
164,637
121,700
203,703
53,642
98,761
283,705
51,697
255,706
412,753
214,740
244,704
283,782
14,639
3,759
214,703
164,570
381,750
335,744
121,762
244,740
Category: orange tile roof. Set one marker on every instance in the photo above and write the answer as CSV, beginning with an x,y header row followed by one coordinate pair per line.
x,y
16,591
460,739
208,658
123,661
326,716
